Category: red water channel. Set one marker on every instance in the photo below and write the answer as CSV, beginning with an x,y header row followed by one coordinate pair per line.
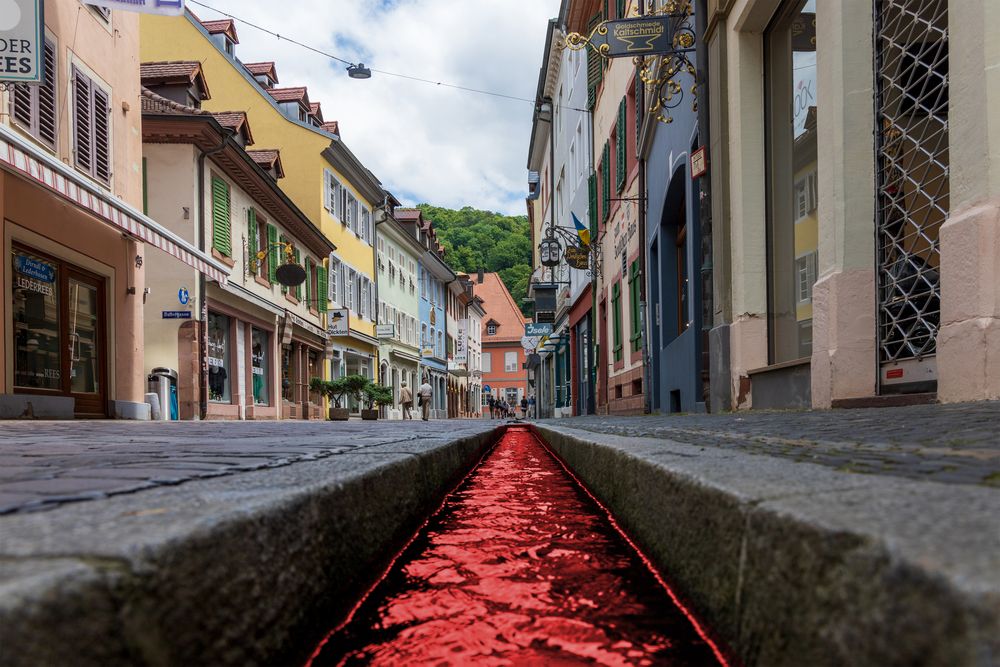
x,y
520,566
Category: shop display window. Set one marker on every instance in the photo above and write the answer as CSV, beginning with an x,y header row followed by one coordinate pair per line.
x,y
260,354
36,308
219,371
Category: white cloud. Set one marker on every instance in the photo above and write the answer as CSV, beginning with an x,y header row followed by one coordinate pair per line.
x,y
425,143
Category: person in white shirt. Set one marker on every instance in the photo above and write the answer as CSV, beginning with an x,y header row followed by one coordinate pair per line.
x,y
425,392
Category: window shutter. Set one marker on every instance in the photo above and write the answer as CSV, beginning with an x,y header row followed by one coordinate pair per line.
x,y
620,9
221,224
82,120
323,287
24,103
309,277
273,254
620,147
252,235
102,135
606,180
363,306
595,66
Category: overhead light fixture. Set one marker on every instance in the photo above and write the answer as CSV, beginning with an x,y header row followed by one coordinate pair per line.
x,y
359,71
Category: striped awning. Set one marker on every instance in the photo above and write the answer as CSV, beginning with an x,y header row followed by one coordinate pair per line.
x,y
21,157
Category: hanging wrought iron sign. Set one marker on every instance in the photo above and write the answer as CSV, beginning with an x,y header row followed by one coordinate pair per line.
x,y
659,43
578,258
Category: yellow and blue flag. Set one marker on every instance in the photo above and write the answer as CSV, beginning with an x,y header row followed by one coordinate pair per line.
x,y
581,231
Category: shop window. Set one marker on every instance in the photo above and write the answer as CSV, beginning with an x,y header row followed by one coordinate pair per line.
x,y
288,374
91,127
33,107
260,354
219,371
791,112
314,360
683,284
37,342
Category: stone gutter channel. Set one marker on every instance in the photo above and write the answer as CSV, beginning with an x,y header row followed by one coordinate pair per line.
x,y
787,563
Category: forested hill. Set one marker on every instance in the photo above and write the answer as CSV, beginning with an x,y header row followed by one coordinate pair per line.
x,y
476,240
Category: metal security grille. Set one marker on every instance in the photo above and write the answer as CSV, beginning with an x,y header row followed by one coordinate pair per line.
x,y
911,77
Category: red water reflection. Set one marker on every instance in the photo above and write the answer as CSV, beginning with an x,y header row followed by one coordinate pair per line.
x,y
519,567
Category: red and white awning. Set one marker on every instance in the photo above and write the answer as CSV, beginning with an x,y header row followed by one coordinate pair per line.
x,y
22,157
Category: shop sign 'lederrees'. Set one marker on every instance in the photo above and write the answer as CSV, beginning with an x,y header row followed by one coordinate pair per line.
x,y
22,25
168,7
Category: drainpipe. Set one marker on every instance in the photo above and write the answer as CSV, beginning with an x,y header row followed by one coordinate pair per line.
x,y
203,316
705,203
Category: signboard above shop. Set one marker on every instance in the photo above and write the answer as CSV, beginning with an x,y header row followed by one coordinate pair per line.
x,y
578,258
385,330
339,322
167,7
22,40
644,36
535,329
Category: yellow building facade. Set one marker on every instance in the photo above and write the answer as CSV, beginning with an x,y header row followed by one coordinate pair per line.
x,y
322,176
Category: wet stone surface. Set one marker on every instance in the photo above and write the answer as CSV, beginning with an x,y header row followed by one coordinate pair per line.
x,y
45,465
519,567
951,444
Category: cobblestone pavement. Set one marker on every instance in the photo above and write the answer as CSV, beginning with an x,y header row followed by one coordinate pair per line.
x,y
46,464
953,444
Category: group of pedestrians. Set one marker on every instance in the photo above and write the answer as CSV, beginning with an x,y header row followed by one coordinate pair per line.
x,y
507,409
424,394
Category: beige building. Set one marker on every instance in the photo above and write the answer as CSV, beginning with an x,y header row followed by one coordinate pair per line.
x,y
73,226
902,207
249,348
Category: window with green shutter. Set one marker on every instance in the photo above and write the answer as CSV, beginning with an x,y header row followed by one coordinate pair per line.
x,y
616,307
620,148
595,66
222,237
252,234
634,294
620,9
322,287
606,181
273,254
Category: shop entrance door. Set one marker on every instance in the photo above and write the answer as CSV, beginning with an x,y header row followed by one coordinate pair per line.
x,y
84,343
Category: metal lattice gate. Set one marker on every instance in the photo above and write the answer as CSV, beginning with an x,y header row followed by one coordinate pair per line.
x,y
911,82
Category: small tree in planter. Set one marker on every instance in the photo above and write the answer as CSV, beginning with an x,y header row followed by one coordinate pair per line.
x,y
375,395
335,391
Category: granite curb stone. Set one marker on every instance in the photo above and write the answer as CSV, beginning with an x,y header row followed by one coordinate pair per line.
x,y
794,563
229,570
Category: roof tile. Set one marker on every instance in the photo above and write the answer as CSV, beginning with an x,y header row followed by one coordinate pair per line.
x,y
500,307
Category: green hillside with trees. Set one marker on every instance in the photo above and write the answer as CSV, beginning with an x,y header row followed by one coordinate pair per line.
x,y
476,240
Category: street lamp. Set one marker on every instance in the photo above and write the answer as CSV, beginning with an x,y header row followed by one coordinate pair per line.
x,y
359,71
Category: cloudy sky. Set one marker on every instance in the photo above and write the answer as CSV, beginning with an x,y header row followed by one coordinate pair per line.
x,y
425,143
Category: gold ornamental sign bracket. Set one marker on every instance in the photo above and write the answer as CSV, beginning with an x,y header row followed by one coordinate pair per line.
x,y
660,44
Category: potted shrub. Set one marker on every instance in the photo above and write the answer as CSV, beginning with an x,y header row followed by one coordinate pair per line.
x,y
375,395
335,390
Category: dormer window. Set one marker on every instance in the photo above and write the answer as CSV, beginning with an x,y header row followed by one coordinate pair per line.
x,y
491,329
230,47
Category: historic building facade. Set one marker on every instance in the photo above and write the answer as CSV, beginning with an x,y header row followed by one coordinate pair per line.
x,y
74,231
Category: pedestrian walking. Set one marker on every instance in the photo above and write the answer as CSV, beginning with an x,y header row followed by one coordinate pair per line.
x,y
531,407
405,400
492,404
426,393
524,407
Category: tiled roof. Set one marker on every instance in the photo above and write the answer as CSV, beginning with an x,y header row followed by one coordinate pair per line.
x,y
176,71
333,127
227,26
265,68
236,121
500,307
298,94
269,158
